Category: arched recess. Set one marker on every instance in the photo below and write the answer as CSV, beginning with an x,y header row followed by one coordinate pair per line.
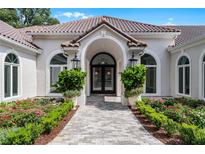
x,y
120,56
61,66
103,74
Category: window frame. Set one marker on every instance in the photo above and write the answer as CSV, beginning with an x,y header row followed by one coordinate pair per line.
x,y
61,66
11,65
151,66
183,66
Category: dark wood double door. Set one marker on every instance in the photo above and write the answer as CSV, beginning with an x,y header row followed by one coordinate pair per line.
x,y
103,79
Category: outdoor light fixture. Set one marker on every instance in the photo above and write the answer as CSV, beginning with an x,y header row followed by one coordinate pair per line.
x,y
76,62
133,60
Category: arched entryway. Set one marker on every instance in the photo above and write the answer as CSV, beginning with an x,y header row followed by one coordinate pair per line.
x,y
103,74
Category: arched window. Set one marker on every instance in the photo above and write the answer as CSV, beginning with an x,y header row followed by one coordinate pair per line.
x,y
184,76
57,64
11,75
151,74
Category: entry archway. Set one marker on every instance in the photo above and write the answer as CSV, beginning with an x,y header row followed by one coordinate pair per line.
x,y
103,74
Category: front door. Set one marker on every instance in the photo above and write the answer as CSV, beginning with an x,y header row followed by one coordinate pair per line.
x,y
103,74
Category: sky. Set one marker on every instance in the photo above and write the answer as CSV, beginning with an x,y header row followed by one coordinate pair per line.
x,y
152,16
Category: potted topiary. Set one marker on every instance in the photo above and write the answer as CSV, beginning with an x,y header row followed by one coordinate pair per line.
x,y
133,79
70,83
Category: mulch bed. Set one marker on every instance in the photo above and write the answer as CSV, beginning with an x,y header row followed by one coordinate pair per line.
x,y
46,138
160,134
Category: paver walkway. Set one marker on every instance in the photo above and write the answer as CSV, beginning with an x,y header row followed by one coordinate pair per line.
x,y
102,122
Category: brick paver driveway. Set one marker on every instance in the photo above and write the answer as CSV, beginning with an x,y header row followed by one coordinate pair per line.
x,y
102,122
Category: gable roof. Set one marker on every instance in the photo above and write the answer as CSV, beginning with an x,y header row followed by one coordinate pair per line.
x,y
132,42
83,25
189,34
18,36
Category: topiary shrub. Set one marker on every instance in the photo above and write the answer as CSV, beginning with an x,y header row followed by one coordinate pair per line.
x,y
73,79
133,79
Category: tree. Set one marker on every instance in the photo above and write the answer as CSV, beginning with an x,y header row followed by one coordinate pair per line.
x,y
24,17
36,16
9,16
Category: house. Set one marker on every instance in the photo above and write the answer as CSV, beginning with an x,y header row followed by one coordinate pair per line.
x,y
32,57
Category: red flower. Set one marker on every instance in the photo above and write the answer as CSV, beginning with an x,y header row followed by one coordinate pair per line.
x,y
162,100
39,113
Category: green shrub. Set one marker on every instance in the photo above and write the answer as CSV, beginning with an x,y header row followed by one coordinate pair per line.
x,y
169,102
170,126
200,136
16,136
197,117
157,105
133,79
194,103
31,131
73,79
187,133
21,119
158,119
173,114
51,120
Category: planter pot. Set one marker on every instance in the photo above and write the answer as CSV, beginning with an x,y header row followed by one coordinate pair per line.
x,y
132,100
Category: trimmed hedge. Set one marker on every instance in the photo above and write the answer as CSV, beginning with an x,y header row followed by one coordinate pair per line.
x,y
190,134
29,133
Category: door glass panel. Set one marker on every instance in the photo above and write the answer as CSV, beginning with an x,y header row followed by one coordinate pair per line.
x,y
181,80
15,80
7,81
109,78
97,78
54,71
187,80
151,80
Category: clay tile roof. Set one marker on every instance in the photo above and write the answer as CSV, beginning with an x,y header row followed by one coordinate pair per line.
x,y
16,35
132,42
83,25
189,34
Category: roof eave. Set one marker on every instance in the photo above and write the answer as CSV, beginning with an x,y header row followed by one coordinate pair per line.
x,y
38,51
187,44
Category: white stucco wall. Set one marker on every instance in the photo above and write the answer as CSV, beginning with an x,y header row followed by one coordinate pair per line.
x,y
158,49
195,54
50,47
27,71
103,40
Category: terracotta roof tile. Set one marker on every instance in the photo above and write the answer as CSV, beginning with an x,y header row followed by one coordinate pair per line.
x,y
188,34
83,25
132,42
16,35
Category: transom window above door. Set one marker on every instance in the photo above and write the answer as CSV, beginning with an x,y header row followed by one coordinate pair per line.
x,y
103,59
57,64
151,74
